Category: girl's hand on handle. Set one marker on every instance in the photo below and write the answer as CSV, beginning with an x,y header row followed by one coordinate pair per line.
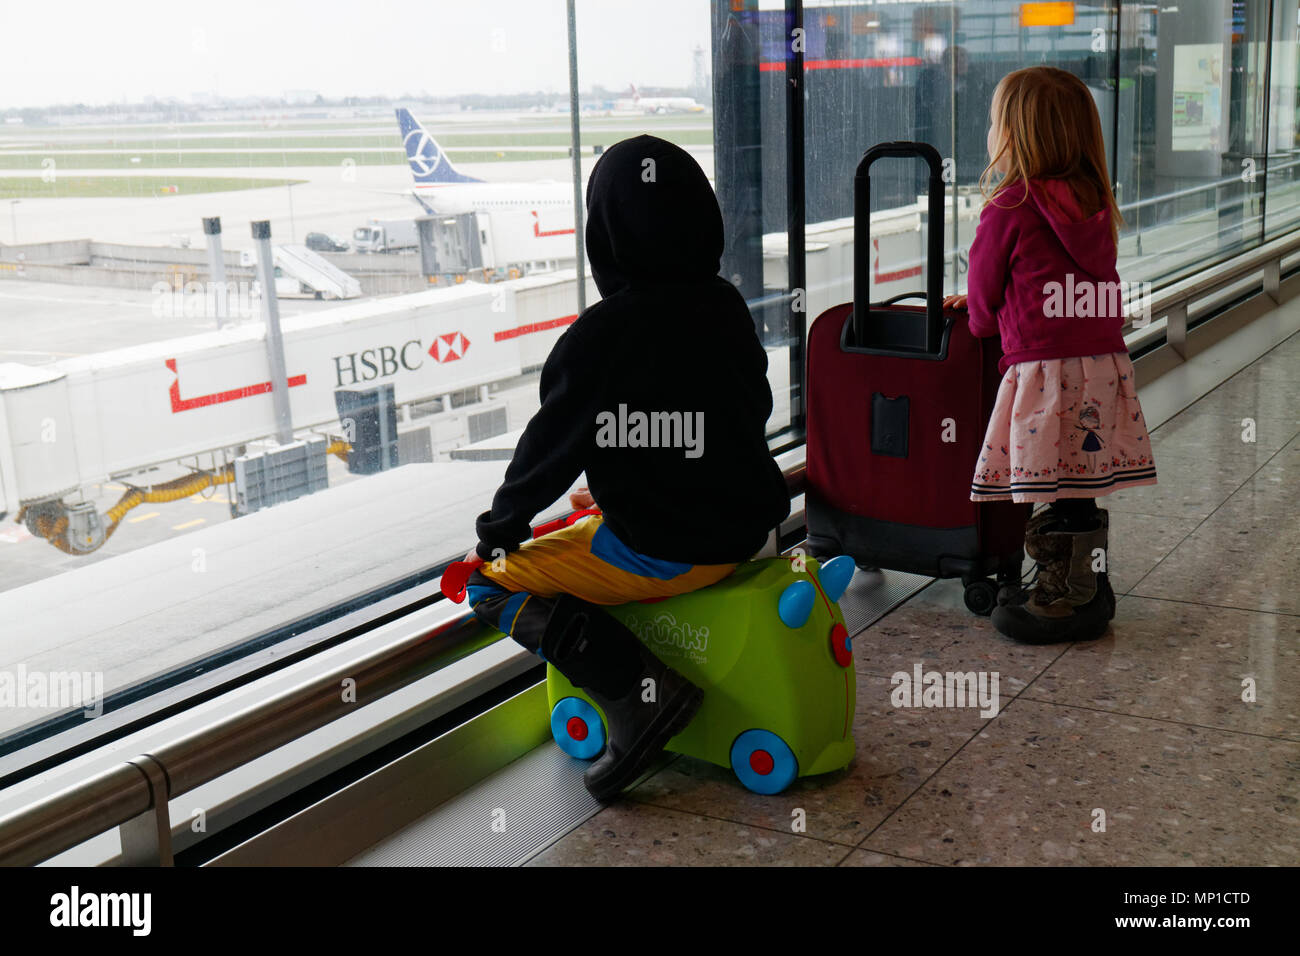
x,y
955,302
580,499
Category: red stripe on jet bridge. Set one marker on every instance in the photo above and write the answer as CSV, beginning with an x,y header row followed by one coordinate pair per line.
x,y
900,274
539,232
769,66
535,327
216,398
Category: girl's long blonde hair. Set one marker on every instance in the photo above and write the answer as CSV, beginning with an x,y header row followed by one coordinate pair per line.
x,y
1046,124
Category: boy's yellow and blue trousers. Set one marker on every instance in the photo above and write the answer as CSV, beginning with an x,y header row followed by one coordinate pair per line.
x,y
585,560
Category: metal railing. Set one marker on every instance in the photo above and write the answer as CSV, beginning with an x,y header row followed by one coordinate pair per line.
x,y
1205,187
134,795
1173,301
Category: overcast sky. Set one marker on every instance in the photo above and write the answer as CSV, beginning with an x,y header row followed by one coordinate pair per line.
x,y
105,51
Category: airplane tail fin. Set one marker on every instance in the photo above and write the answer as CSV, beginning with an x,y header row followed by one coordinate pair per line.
x,y
429,164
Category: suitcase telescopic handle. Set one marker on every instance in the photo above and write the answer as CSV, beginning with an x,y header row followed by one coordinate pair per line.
x,y
934,239
901,296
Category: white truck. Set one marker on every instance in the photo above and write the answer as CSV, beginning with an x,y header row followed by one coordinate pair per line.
x,y
386,235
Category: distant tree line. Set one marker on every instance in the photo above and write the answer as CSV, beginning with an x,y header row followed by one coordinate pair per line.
x,y
175,111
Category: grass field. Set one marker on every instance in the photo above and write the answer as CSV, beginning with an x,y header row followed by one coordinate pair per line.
x,y
245,160
254,145
67,187
537,122
380,139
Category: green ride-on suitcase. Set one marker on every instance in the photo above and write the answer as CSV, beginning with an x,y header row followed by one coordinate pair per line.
x,y
769,646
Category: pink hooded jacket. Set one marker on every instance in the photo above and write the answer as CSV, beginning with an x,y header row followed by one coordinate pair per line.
x,y
1043,275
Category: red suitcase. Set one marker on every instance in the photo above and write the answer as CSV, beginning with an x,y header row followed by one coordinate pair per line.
x,y
898,400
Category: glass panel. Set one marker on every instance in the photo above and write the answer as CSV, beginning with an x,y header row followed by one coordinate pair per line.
x,y
1283,200
158,509
922,72
751,44
1191,99
728,110
869,73
419,194
995,39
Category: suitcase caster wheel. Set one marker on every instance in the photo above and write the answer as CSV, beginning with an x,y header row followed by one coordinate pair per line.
x,y
763,762
577,728
981,597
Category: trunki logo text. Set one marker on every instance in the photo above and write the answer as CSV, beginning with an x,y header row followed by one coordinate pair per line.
x,y
667,633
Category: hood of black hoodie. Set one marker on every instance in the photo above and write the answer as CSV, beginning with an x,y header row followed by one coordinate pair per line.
x,y
651,217
1087,241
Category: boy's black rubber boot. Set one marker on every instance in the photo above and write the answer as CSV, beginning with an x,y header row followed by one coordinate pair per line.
x,y
602,657
1070,602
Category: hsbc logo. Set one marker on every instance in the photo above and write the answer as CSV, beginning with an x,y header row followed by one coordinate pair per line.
x,y
388,360
449,347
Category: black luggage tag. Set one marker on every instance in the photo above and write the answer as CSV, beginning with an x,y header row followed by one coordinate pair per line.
x,y
889,422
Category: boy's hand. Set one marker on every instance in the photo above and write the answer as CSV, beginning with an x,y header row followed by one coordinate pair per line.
x,y
580,499
473,555
955,302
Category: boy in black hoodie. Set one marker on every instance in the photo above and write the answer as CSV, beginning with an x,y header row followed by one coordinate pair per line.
x,y
659,393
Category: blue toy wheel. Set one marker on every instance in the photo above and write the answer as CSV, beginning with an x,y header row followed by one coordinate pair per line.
x,y
577,728
763,762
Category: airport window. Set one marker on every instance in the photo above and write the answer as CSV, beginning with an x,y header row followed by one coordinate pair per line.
x,y
1193,140
171,472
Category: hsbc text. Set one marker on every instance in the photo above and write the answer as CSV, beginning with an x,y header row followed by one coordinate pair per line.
x,y
377,363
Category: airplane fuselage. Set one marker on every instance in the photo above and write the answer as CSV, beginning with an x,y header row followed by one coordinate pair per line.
x,y
452,199
659,104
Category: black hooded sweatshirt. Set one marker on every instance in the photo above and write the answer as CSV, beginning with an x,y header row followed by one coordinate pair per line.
x,y
669,335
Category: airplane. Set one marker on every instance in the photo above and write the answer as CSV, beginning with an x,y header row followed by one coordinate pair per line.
x,y
659,104
444,190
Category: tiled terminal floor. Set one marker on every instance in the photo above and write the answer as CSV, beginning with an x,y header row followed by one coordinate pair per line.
x,y
1146,724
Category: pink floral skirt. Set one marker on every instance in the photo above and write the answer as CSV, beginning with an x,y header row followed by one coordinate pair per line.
x,y
1064,428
